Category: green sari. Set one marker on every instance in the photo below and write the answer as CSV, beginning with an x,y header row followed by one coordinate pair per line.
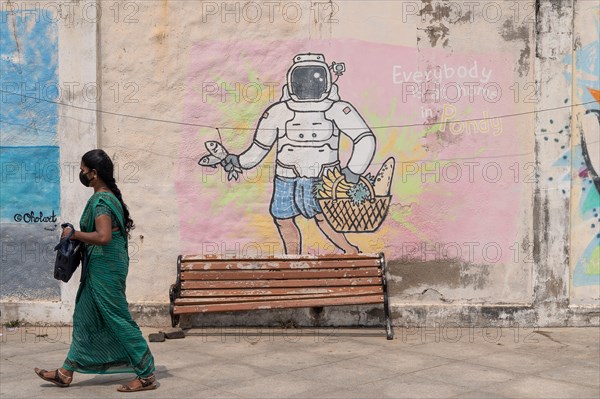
x,y
106,340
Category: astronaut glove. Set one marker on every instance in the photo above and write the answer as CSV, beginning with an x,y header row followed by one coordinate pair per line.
x,y
231,162
350,176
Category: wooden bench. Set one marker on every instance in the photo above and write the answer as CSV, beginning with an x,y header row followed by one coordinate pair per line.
x,y
210,284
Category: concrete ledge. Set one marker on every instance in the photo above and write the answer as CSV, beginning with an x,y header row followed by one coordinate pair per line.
x,y
42,313
150,314
403,315
59,313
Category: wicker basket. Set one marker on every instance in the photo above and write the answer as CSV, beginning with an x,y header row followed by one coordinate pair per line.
x,y
345,216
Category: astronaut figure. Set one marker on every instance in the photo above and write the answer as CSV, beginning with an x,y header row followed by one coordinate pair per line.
x,y
305,126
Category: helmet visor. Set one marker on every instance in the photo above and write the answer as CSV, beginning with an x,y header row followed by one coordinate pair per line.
x,y
309,82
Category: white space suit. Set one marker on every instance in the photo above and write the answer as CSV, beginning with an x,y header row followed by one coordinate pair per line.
x,y
306,125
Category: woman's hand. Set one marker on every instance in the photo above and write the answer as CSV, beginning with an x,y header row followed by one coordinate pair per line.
x,y
65,232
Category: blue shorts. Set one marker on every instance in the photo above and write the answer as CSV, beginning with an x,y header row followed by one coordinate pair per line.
x,y
293,196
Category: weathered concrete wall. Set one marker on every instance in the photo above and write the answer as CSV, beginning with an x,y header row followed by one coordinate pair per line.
x,y
483,226
48,76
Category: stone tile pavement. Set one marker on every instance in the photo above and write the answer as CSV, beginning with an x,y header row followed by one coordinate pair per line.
x,y
329,363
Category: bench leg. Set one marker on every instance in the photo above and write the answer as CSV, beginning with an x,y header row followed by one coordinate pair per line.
x,y
388,327
173,294
174,319
389,330
386,303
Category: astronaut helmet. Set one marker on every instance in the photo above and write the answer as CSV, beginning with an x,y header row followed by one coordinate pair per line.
x,y
309,78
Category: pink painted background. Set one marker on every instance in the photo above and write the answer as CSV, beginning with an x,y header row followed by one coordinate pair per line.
x,y
232,215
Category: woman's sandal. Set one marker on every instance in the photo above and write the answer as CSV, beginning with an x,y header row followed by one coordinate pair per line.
x,y
59,378
146,384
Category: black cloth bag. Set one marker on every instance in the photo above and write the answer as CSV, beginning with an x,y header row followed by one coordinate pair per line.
x,y
69,254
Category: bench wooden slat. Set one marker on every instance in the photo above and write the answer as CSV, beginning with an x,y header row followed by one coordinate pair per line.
x,y
200,258
298,283
279,275
208,284
282,304
280,291
232,299
224,264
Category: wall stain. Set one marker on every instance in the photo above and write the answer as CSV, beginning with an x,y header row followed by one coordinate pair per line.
x,y
512,33
554,286
446,273
375,314
16,37
436,140
437,31
159,33
440,295
537,251
558,6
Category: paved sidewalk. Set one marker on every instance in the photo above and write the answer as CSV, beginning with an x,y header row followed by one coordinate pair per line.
x,y
329,363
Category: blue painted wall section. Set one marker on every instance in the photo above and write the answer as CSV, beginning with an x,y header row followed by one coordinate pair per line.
x,y
28,64
30,182
30,157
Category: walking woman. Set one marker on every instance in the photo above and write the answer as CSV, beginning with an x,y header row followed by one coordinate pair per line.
x,y
106,340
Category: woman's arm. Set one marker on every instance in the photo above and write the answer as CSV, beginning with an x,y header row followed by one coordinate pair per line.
x,y
102,235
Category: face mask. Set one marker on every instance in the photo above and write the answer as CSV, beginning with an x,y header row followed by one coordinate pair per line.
x,y
84,179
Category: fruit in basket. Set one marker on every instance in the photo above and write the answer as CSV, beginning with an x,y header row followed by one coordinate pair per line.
x,y
383,179
359,193
325,187
361,207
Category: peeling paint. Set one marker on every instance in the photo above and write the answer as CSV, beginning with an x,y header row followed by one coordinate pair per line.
x,y
513,33
437,31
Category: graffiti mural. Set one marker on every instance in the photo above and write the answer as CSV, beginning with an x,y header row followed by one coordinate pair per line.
x,y
305,126
434,162
30,194
587,269
585,155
